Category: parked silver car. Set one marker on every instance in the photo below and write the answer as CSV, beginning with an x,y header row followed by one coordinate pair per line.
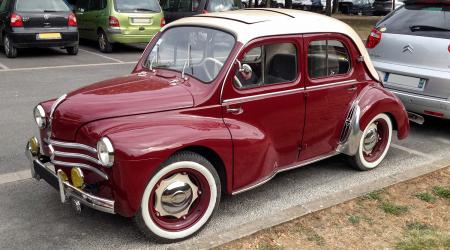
x,y
410,49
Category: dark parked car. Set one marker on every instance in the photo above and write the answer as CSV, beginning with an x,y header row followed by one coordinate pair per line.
x,y
356,7
31,23
176,9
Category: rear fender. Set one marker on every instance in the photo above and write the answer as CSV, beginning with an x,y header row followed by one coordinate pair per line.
x,y
371,102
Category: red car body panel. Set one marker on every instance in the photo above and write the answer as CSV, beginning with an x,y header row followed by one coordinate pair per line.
x,y
148,119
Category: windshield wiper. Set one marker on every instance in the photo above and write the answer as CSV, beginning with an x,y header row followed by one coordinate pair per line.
x,y
144,9
414,28
188,61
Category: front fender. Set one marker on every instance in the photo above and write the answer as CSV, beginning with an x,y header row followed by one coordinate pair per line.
x,y
142,143
371,102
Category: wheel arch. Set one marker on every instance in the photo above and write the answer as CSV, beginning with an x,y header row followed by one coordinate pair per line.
x,y
213,157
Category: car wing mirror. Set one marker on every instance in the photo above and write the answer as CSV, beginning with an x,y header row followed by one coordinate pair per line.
x,y
247,69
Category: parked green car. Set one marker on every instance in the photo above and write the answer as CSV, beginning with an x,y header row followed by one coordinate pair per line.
x,y
118,21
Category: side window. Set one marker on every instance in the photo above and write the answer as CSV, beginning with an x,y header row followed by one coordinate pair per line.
x,y
95,5
267,64
327,58
82,5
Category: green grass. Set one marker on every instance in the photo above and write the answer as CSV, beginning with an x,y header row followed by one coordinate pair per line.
x,y
269,246
311,235
420,236
354,219
442,192
394,209
425,196
375,195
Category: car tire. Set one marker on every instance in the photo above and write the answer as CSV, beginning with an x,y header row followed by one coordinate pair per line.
x,y
10,50
103,43
156,221
73,51
374,143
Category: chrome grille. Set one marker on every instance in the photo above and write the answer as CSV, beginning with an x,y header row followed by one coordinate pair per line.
x,y
83,157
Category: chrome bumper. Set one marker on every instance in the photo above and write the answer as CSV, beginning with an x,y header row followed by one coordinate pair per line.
x,y
42,170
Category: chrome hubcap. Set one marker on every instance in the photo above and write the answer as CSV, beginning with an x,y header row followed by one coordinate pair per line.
x,y
371,138
175,195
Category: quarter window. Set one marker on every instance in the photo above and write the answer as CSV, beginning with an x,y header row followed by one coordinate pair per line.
x,y
327,58
266,65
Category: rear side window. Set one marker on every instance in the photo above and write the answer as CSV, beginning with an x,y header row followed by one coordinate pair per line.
x,y
97,4
222,5
327,58
137,6
419,20
41,5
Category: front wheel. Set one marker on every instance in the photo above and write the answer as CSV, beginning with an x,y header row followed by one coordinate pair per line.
x,y
179,199
374,143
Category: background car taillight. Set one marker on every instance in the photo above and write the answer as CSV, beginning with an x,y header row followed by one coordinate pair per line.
x,y
163,22
16,20
72,20
374,39
114,22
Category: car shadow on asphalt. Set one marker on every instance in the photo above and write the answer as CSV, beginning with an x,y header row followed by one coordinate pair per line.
x,y
118,48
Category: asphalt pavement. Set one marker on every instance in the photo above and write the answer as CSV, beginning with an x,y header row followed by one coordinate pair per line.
x,y
32,217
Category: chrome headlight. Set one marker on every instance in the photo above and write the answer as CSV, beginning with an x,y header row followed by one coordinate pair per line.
x,y
105,152
39,117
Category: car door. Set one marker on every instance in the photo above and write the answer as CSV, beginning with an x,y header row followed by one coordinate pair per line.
x,y
332,83
91,18
82,7
264,109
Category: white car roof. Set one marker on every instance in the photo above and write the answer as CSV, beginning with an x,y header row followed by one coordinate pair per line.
x,y
248,24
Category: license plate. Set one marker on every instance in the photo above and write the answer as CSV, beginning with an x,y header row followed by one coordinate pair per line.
x,y
407,82
142,20
48,36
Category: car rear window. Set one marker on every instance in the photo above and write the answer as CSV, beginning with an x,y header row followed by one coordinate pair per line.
x,y
41,5
419,20
222,5
137,6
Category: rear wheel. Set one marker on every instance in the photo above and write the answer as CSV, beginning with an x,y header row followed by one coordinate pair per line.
x,y
72,50
374,143
10,50
179,198
103,42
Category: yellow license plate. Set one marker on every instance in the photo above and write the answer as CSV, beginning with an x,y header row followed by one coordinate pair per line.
x,y
42,36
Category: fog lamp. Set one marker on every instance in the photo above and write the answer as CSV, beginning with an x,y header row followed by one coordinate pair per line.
x,y
33,146
77,177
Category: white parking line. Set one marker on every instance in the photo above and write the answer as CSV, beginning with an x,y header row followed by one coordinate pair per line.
x,y
16,176
67,66
100,55
2,66
414,152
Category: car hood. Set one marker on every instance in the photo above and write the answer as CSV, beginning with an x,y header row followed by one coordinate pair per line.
x,y
124,96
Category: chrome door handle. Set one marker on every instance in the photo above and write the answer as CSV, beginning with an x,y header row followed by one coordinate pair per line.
x,y
352,88
235,111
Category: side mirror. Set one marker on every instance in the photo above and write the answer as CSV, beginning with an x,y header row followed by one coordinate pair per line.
x,y
244,67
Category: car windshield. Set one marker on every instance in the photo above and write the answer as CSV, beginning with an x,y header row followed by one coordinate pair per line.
x,y
199,52
136,5
430,20
222,5
41,5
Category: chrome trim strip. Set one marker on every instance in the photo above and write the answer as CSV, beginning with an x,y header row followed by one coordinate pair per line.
x,y
274,173
331,84
56,103
239,99
77,156
434,99
80,165
72,145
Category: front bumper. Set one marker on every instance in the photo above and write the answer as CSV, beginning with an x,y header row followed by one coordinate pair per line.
x,y
43,169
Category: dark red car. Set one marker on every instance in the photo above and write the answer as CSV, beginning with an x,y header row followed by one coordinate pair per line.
x,y
219,103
